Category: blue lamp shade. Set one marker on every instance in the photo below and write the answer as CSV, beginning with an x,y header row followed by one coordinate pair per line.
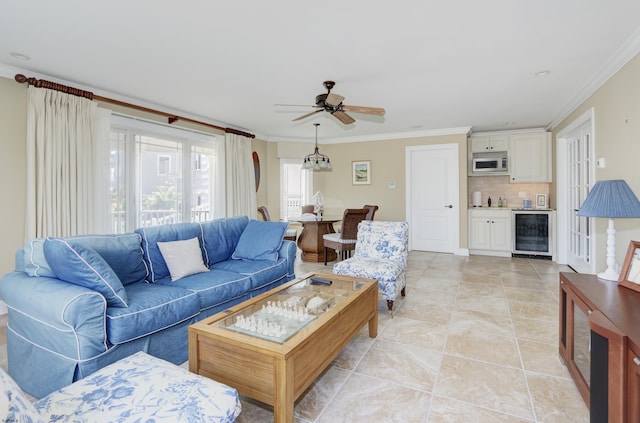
x,y
611,199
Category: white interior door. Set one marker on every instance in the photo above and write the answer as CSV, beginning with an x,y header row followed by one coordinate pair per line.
x,y
432,197
575,177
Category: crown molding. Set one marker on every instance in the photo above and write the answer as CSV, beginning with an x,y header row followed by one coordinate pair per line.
x,y
462,130
621,57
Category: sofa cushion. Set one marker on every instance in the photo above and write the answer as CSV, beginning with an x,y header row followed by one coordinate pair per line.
x,y
151,309
260,241
262,273
79,265
183,258
122,252
164,233
213,288
221,237
35,264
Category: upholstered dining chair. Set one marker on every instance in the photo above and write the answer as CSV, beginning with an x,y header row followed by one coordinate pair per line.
x,y
345,240
381,253
372,210
307,208
291,234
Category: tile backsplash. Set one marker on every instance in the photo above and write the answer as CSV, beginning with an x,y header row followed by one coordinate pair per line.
x,y
499,186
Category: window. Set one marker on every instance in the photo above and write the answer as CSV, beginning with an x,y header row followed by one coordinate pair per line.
x,y
163,174
296,185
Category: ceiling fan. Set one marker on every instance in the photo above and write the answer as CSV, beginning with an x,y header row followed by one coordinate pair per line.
x,y
332,103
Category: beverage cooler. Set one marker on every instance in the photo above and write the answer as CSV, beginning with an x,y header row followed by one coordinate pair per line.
x,y
532,233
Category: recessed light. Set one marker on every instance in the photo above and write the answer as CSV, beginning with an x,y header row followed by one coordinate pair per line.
x,y
19,56
508,123
415,127
543,73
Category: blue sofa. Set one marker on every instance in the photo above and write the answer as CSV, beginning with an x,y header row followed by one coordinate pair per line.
x,y
77,304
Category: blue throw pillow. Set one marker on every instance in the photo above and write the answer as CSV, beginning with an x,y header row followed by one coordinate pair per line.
x,y
83,266
34,262
260,241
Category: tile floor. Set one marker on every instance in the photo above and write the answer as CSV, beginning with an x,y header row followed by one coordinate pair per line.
x,y
474,340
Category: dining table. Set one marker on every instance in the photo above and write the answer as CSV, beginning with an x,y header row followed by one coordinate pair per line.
x,y
311,241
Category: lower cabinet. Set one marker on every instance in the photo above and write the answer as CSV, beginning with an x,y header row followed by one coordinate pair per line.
x,y
490,231
600,344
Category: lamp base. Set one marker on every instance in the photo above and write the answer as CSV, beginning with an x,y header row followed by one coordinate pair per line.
x,y
609,275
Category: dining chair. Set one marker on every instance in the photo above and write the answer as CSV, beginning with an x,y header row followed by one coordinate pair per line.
x,y
307,208
291,233
345,240
372,211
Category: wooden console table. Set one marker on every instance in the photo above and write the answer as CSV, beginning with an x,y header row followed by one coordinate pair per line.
x,y
600,344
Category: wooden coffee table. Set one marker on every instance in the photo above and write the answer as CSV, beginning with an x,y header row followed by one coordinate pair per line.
x,y
272,347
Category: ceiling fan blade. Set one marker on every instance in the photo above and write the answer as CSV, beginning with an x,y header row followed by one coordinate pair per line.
x,y
378,111
343,117
308,114
334,99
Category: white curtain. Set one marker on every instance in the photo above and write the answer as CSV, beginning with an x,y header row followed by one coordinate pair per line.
x,y
240,181
63,176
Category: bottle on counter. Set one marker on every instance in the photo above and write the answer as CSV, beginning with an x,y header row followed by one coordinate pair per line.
x,y
499,201
489,202
504,202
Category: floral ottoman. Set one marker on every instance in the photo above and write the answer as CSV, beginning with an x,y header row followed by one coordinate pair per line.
x,y
137,388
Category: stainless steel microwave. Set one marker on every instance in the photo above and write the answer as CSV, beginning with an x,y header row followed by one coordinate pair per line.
x,y
493,162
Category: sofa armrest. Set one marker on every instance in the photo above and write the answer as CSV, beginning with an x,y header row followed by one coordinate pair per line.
x,y
288,250
52,314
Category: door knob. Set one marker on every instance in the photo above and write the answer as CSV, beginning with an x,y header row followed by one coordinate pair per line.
x,y
450,206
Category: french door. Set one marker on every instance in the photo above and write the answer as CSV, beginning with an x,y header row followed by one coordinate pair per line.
x,y
578,181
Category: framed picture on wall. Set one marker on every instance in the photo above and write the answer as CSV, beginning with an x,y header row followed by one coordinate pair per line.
x,y
361,172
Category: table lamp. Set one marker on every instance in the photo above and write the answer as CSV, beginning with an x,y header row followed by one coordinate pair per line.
x,y
611,199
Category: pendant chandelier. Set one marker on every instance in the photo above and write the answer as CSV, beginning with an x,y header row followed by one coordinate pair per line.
x,y
317,161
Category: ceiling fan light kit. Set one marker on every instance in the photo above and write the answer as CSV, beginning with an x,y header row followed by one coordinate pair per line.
x,y
316,161
332,103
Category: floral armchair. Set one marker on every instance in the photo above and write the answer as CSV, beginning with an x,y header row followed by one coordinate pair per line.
x,y
381,253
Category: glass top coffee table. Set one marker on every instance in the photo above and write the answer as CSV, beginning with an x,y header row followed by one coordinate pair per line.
x,y
273,346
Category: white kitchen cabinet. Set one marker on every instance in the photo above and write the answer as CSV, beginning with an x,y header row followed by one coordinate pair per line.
x,y
490,231
489,143
530,158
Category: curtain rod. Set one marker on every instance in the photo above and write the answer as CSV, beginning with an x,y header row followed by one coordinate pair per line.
x,y
171,118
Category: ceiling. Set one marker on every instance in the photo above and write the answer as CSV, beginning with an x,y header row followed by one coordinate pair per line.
x,y
433,65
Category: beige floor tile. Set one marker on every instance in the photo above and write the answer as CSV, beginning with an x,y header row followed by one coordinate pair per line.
x,y
415,332
320,393
369,400
485,304
538,311
351,355
254,412
406,365
483,278
542,358
468,289
447,410
556,400
425,309
498,388
435,284
484,346
536,330
483,322
523,282
532,295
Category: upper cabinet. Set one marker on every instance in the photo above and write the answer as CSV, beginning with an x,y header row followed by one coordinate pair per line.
x,y
529,154
485,144
530,157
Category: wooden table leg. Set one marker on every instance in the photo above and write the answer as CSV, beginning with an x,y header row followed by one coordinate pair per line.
x,y
283,406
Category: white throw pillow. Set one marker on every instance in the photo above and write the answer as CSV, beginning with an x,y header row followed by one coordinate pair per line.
x,y
183,258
